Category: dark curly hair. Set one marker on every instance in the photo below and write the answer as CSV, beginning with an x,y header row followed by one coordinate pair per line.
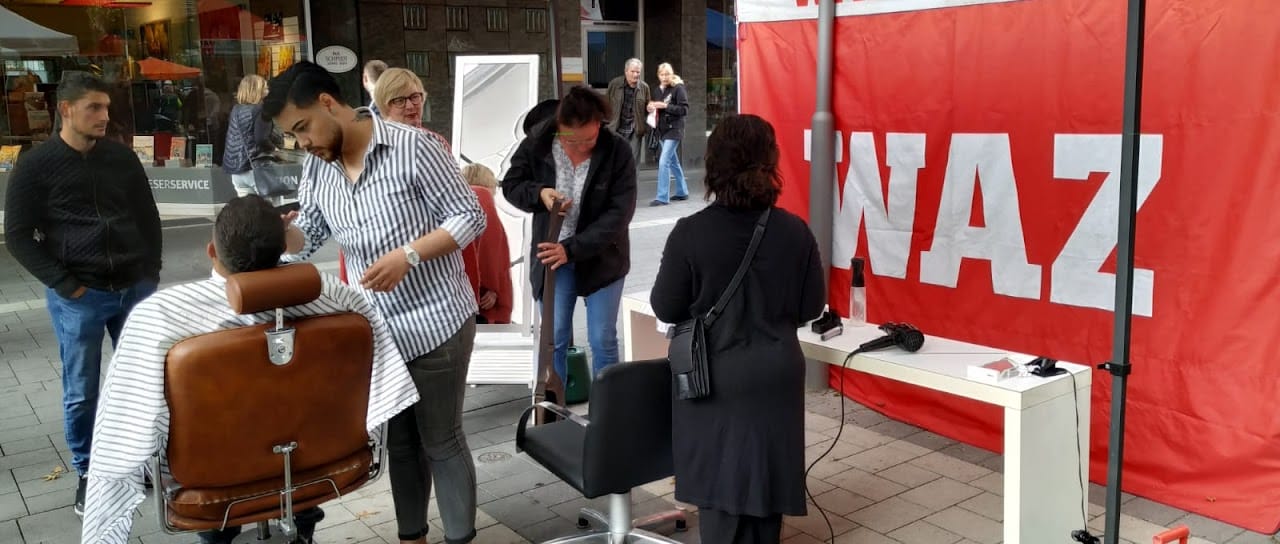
x,y
742,163
248,235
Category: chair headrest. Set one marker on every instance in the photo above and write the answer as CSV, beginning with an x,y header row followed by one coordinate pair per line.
x,y
279,287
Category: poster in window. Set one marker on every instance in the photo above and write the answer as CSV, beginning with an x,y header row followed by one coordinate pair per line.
x,y
155,39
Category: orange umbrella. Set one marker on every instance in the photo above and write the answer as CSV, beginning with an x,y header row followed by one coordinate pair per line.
x,y
153,68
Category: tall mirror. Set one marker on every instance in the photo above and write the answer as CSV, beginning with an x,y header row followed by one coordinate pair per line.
x,y
492,94
490,97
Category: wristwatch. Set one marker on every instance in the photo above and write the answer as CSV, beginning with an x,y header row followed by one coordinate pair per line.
x,y
411,255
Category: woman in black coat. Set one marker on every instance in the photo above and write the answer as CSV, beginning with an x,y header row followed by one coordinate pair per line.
x,y
739,453
672,104
576,158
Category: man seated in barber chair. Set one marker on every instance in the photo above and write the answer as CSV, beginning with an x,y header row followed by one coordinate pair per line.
x,y
133,421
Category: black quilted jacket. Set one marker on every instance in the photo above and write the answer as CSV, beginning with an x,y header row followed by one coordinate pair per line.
x,y
82,220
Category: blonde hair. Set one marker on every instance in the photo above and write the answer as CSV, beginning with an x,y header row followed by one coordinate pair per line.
x,y
253,88
393,83
480,176
675,79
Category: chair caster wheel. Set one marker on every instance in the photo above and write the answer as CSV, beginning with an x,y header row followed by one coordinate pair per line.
x,y
682,525
583,524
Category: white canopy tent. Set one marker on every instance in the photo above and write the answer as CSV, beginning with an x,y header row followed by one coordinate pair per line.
x,y
23,38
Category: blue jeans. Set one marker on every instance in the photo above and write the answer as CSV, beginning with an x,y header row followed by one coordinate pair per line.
x,y
602,322
668,165
79,324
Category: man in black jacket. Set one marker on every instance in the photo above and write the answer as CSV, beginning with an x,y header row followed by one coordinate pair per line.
x,y
80,217
575,157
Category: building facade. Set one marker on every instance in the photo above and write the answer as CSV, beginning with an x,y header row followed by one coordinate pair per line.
x,y
594,38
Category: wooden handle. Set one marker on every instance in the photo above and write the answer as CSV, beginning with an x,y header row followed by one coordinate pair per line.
x,y
548,387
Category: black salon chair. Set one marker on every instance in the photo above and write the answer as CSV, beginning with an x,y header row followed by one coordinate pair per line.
x,y
626,443
268,419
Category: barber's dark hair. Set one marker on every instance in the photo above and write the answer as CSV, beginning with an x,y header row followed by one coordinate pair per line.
x,y
540,113
300,85
248,235
75,85
742,163
581,106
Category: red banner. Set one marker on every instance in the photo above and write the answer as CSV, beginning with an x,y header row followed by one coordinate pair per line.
x,y
979,158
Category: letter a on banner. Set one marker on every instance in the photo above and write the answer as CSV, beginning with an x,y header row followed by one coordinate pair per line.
x,y
1000,238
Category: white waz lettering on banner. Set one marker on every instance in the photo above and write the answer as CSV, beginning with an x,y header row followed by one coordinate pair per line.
x,y
889,218
985,160
1076,277
1000,239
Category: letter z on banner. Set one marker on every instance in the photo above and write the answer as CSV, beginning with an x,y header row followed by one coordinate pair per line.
x,y
978,151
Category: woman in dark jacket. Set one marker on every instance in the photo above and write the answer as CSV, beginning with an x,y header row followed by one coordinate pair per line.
x,y
739,453
249,136
576,158
672,104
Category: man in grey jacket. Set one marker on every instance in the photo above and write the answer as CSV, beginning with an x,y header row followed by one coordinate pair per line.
x,y
628,97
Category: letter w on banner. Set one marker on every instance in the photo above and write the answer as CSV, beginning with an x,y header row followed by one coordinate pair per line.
x,y
978,173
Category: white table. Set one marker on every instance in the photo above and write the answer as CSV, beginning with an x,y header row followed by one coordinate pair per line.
x,y
1042,472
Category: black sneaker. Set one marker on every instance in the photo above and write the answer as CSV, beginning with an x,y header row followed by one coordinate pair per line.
x,y
685,197
657,202
80,489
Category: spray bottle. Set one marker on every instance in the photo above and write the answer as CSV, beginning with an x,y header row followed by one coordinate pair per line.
x,y
858,295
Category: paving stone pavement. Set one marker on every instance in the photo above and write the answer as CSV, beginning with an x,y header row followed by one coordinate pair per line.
x,y
885,481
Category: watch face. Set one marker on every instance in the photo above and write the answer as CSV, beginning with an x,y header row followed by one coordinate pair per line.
x,y
411,255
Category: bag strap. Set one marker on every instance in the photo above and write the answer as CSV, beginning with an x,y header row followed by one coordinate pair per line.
x,y
742,270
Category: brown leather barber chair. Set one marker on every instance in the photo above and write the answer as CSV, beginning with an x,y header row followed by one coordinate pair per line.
x,y
267,419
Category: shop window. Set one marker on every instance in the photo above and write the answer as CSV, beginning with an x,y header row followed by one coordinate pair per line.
x,y
174,68
722,62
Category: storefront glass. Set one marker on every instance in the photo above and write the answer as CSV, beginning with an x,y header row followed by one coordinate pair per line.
x,y
174,66
722,61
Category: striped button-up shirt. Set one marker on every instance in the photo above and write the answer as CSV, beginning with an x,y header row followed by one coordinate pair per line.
x,y
409,187
133,418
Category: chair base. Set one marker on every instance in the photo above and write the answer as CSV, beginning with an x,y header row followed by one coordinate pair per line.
x,y
587,516
619,528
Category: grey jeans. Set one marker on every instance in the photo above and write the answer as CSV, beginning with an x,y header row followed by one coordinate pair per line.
x,y
426,442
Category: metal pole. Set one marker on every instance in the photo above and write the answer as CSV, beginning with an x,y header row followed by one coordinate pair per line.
x,y
1119,365
555,48
822,143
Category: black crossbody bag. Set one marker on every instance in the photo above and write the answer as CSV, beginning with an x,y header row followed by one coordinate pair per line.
x,y
687,351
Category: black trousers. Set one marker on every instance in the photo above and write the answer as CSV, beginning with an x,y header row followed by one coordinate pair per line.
x,y
724,528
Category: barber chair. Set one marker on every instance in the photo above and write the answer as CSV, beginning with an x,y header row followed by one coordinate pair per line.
x,y
267,419
626,443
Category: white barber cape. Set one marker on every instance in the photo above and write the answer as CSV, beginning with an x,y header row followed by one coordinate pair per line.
x,y
133,418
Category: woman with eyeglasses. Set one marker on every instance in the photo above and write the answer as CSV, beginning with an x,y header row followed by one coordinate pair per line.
x,y
400,98
574,157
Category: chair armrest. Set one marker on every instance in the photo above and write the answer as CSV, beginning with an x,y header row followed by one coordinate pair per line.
x,y
550,407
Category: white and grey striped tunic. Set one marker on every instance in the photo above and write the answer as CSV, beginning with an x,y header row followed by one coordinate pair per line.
x,y
409,187
133,418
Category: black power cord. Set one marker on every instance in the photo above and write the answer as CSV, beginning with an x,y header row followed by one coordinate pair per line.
x,y
1080,535
843,368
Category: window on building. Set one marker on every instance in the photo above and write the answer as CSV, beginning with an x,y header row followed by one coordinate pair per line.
x,y
456,18
535,20
415,17
418,62
495,19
